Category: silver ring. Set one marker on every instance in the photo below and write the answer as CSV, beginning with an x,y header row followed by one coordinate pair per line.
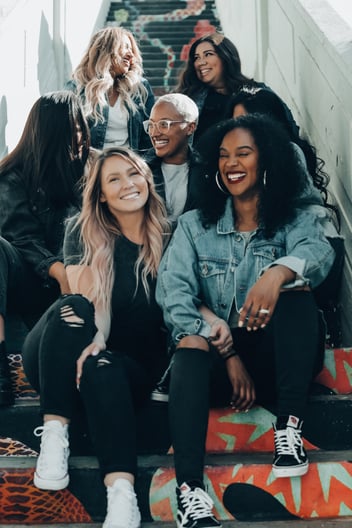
x,y
264,311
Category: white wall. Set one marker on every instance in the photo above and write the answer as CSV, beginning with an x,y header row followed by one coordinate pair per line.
x,y
40,42
303,50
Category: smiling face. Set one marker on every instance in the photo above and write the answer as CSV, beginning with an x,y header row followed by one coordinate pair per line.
x,y
172,144
121,59
208,65
123,188
238,164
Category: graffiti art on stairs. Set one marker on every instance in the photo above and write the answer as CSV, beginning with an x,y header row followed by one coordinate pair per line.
x,y
21,502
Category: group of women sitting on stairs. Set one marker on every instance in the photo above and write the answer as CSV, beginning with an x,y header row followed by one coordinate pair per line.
x,y
190,235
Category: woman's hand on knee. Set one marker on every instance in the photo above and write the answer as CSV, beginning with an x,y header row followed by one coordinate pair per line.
x,y
220,336
243,391
91,350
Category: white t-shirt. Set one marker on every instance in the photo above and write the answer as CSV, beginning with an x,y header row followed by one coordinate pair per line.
x,y
176,183
117,127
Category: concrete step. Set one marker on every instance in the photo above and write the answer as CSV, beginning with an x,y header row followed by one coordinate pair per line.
x,y
311,523
241,485
328,425
164,28
238,463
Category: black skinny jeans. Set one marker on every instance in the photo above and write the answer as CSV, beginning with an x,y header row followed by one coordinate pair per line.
x,y
21,290
111,392
282,360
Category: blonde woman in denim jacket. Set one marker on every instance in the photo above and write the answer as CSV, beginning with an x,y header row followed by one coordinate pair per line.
x,y
235,288
116,96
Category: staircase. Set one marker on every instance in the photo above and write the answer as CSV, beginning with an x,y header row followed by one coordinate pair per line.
x,y
239,445
164,32
238,463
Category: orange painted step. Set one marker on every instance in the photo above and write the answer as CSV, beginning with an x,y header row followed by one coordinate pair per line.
x,y
244,490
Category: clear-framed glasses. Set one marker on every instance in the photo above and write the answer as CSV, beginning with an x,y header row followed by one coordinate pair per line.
x,y
163,126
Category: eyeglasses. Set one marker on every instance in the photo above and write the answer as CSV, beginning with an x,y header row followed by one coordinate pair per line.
x,y
162,126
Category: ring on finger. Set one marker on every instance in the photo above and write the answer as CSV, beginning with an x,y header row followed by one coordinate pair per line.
x,y
264,311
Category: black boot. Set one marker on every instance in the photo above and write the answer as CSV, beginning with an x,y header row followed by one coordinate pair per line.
x,y
6,394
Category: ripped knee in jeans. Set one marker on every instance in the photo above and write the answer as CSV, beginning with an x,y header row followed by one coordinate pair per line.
x,y
69,316
104,359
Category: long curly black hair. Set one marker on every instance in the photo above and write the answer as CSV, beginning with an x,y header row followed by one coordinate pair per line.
x,y
265,101
280,177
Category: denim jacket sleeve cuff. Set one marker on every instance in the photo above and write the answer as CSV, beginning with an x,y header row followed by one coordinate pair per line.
x,y
295,264
200,327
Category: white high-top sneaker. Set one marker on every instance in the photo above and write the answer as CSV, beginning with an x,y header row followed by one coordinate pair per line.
x,y
52,465
122,511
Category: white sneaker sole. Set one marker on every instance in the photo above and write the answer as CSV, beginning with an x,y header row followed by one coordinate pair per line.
x,y
299,471
50,484
155,396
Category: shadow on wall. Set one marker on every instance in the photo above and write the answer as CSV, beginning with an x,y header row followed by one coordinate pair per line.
x,y
3,122
52,55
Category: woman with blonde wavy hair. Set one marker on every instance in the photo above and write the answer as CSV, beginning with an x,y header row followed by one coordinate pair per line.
x,y
104,344
116,96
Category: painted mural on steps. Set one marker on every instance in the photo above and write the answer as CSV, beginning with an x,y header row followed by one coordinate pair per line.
x,y
148,27
244,491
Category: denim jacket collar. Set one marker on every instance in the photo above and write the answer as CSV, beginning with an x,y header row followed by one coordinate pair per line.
x,y
225,224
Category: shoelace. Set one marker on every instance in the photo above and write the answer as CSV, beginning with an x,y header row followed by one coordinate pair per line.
x,y
198,502
45,432
131,513
42,430
287,441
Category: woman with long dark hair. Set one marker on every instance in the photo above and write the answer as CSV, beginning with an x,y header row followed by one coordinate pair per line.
x,y
212,74
40,186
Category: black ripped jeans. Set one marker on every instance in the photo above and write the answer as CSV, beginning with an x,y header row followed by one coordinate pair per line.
x,y
282,360
111,390
22,291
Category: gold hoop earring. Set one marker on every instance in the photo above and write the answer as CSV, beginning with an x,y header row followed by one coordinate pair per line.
x,y
219,185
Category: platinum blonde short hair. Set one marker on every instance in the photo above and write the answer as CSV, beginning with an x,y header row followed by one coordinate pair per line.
x,y
183,104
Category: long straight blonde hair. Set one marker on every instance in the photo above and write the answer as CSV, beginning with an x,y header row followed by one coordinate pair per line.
x,y
99,228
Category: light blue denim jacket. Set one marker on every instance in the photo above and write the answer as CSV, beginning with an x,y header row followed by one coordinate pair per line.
x,y
215,267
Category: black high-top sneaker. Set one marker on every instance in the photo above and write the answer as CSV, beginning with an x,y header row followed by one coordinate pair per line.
x,y
290,459
161,391
6,394
194,507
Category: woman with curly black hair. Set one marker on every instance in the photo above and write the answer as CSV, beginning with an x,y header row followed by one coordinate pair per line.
x,y
235,287
314,195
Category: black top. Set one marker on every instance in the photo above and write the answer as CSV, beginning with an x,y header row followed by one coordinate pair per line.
x,y
214,110
136,320
33,226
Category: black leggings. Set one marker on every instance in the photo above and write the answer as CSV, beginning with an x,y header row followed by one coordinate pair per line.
x,y
22,291
281,359
111,391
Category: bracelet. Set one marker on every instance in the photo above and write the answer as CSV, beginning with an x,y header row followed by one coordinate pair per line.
x,y
229,354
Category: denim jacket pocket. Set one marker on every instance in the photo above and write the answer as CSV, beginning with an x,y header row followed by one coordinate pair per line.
x,y
266,255
212,275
